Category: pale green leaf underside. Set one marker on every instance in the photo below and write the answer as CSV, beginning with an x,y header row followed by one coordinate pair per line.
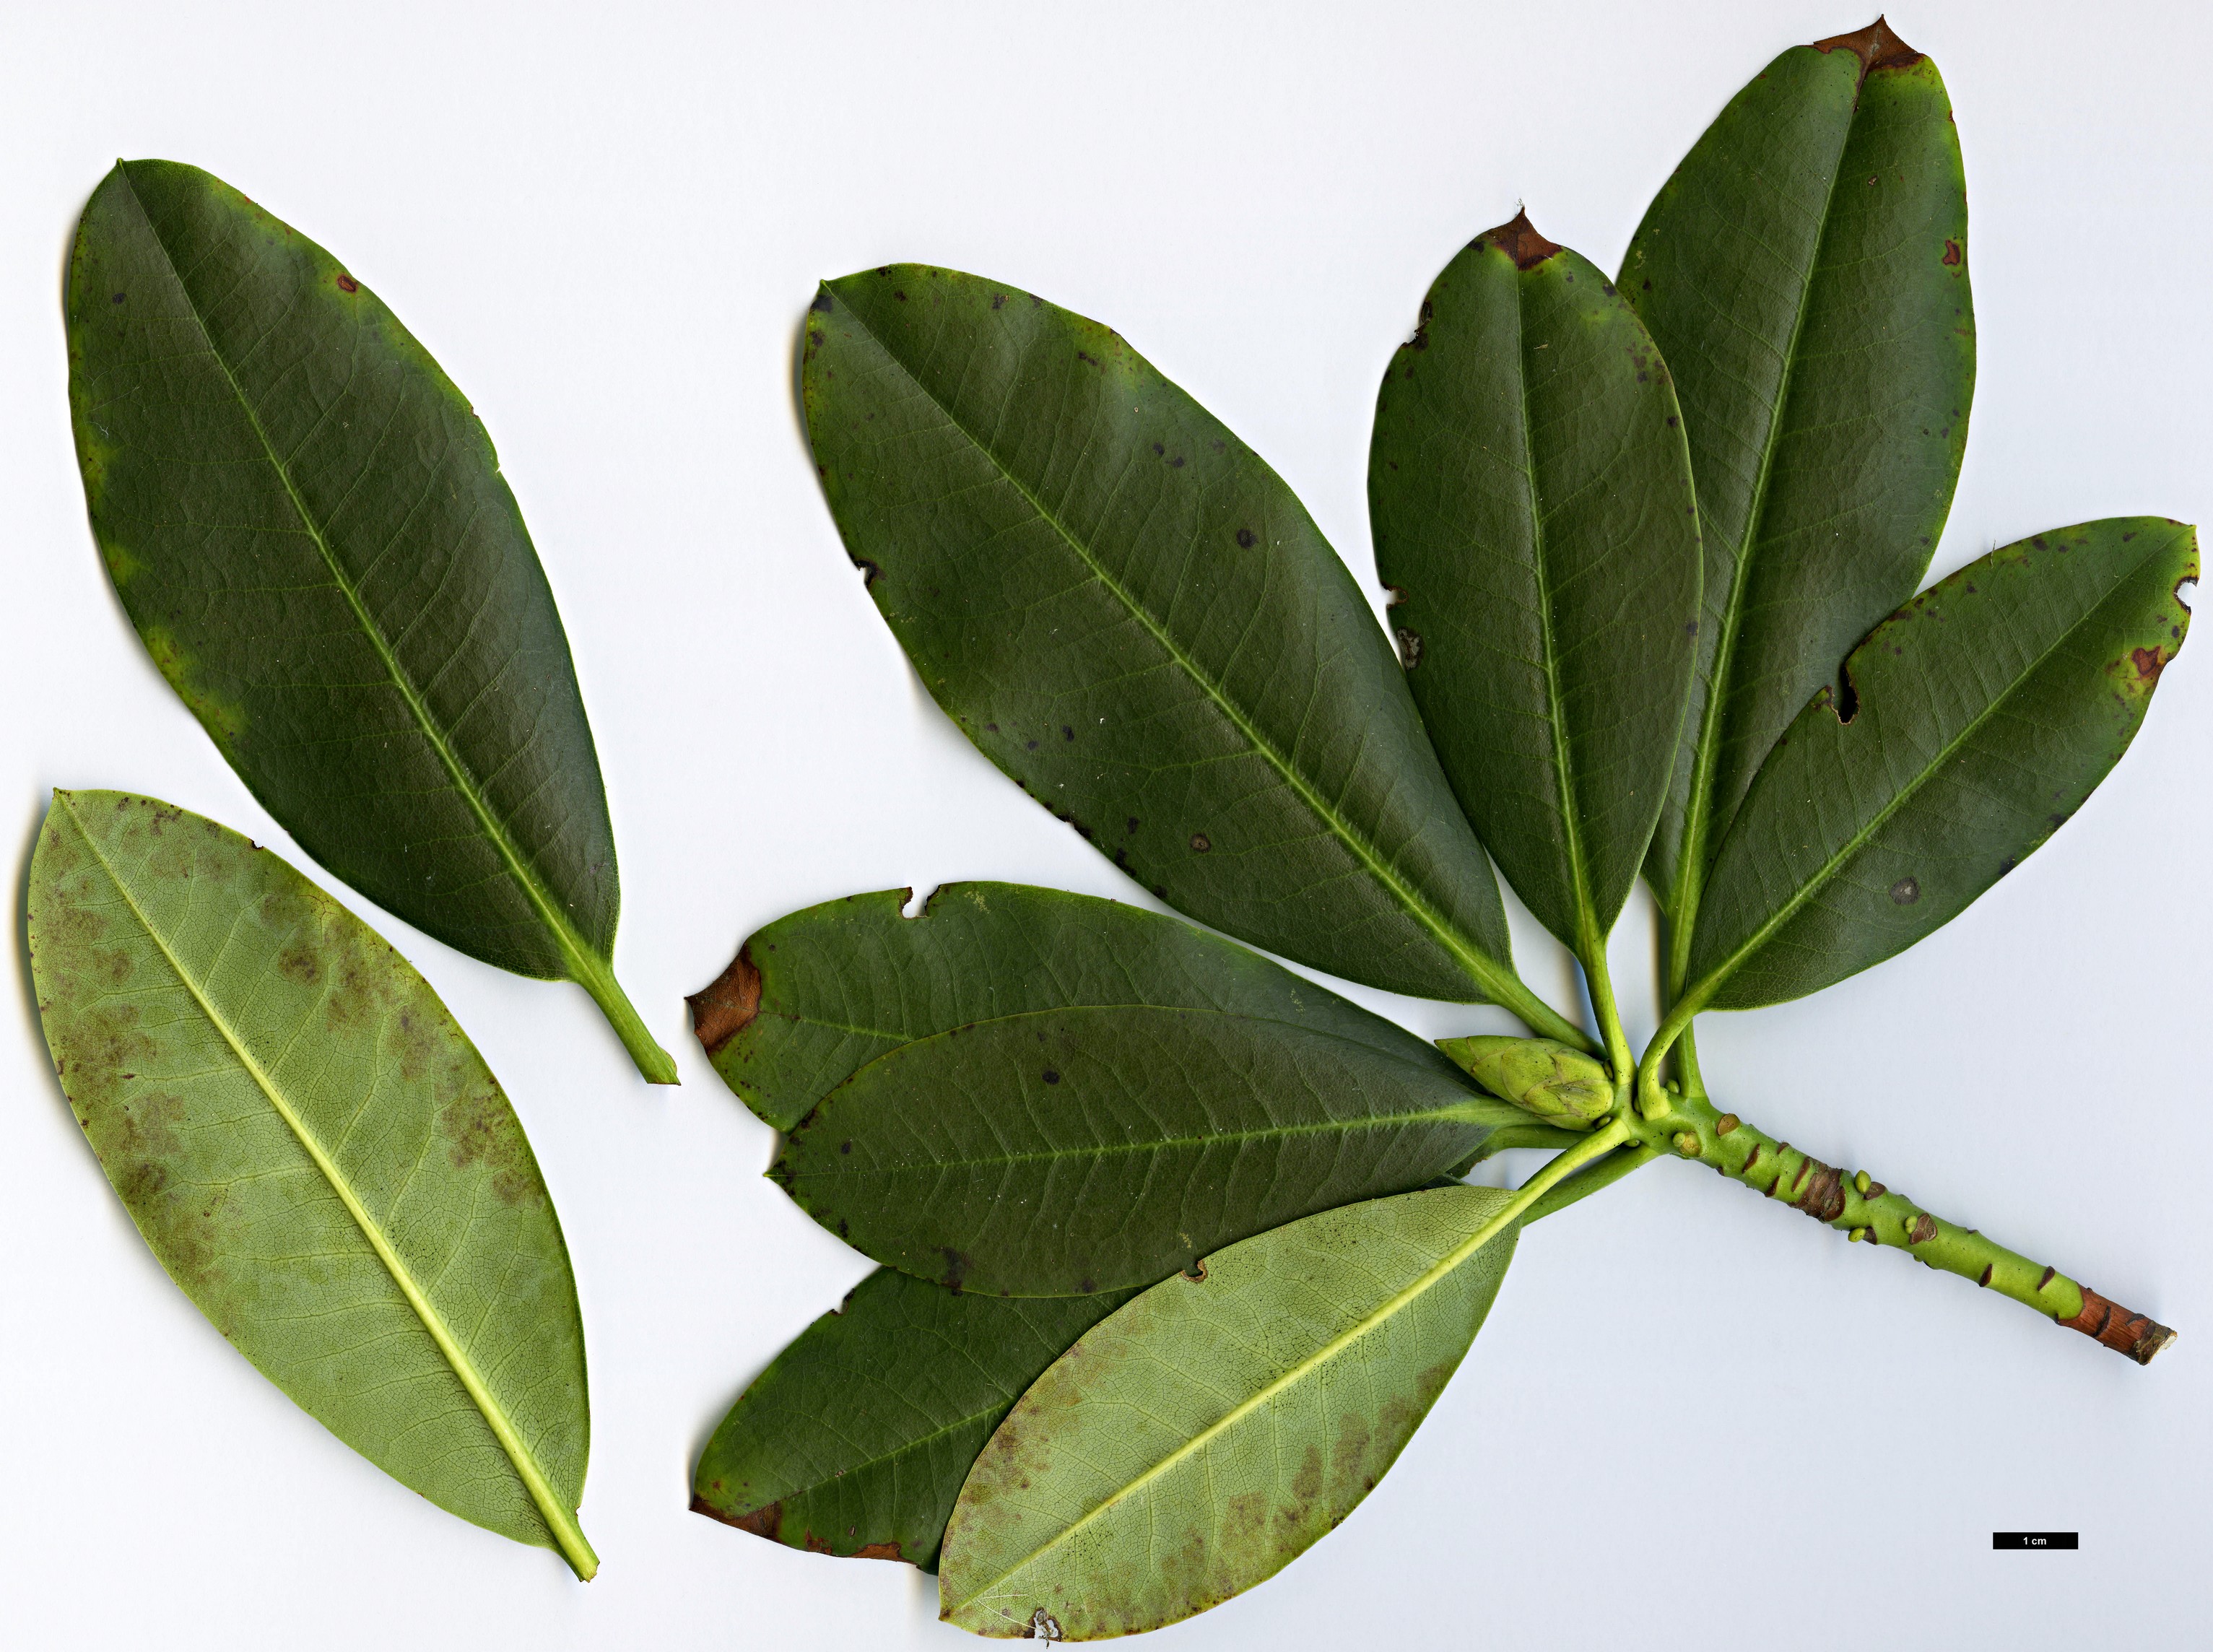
x,y
1194,1443
317,1155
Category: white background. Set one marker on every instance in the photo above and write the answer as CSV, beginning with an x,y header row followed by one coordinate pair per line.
x,y
1694,1419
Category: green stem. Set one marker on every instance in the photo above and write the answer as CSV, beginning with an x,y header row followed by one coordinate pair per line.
x,y
1602,1173
1871,1213
658,1066
1539,1017
1558,1169
1618,1055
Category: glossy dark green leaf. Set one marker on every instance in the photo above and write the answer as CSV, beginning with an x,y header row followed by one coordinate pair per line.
x,y
814,997
1129,613
1533,508
308,524
1805,274
1197,1441
856,1438
1092,1147
1967,728
318,1156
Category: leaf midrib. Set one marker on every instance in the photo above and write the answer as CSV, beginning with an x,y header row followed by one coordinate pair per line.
x,y
582,961
1717,978
559,1519
1588,939
1383,1313
1692,870
1479,964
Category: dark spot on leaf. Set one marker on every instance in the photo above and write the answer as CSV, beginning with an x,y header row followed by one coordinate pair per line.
x,y
1951,252
117,299
1905,891
1176,463
1689,628
1067,733
900,296
347,284
2006,865
2150,663
1245,539
1672,421
845,1146
821,304
998,300
1029,745
1133,826
1201,842
956,1268
1081,356
1158,450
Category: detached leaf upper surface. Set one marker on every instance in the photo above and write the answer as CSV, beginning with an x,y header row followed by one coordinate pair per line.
x,y
1196,1441
815,995
856,1438
1129,613
306,523
1968,729
1805,274
1533,508
318,1156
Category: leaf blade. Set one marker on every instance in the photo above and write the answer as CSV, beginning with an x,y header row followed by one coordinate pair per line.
x,y
820,993
1086,608
445,1270
856,1438
1985,711
1804,271
1531,494
1136,1429
308,526
1066,1151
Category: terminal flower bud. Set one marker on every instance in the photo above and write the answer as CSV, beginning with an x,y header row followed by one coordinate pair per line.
x,y
1560,1085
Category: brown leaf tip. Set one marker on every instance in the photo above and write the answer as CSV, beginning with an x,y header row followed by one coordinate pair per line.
x,y
1520,241
1877,47
727,1006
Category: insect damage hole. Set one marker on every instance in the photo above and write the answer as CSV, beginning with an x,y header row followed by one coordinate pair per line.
x,y
2185,592
917,899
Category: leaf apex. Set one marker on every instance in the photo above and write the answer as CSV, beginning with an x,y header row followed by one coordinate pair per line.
x,y
1877,47
1518,240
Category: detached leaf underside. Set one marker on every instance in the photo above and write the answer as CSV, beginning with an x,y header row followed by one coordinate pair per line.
x,y
1194,1443
1067,1151
1532,508
1968,729
317,1155
856,1438
1129,612
306,523
1805,274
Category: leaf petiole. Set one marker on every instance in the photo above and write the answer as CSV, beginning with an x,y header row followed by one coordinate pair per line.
x,y
597,978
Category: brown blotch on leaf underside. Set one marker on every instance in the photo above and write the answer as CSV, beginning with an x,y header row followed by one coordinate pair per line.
x,y
2150,663
727,1005
1520,241
2124,1332
762,1522
879,1551
1877,47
